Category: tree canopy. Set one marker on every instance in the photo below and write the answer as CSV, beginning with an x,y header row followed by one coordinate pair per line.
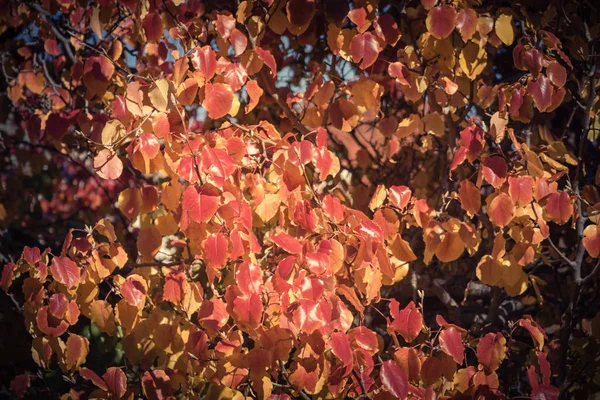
x,y
308,199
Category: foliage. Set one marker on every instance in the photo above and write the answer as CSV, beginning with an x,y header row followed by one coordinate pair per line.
x,y
302,198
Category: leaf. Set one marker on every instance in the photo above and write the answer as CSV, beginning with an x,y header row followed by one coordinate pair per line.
x,y
176,286
148,145
77,351
161,95
504,29
401,250
287,242
255,93
116,381
451,344
466,23
90,375
400,196
134,291
408,322
541,90
591,240
108,165
101,314
340,346
200,205
65,271
557,74
153,26
149,241
95,22
501,210
498,124
378,198
450,248
470,197
216,250
559,207
112,132
441,21
249,278
204,60
472,59
537,332
520,189
495,171
365,47
394,379
491,350
218,99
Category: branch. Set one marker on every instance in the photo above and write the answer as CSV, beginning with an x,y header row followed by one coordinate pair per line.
x,y
66,42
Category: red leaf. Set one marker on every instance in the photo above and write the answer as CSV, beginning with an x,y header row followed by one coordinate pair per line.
x,y
216,250
466,23
520,189
225,25
134,292
501,210
116,381
559,207
108,165
541,91
20,384
387,29
533,60
407,322
491,350
268,59
218,99
153,26
90,375
451,344
441,21
495,171
249,278
239,41
32,255
340,345
213,315
287,242
175,287
218,164
365,47
65,271
50,325
399,196
300,12
156,384
148,145
204,59
557,74
235,76
200,205
394,379
400,72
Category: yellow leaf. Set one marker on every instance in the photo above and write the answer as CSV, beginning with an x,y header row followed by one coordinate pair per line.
x,y
95,22
269,207
472,60
160,95
112,132
378,198
505,30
